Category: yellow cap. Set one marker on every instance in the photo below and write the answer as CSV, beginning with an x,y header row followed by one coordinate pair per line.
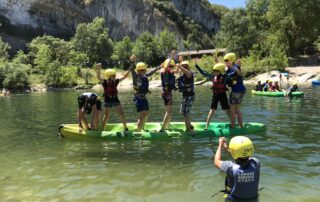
x,y
241,147
219,67
185,63
109,72
230,56
141,66
168,62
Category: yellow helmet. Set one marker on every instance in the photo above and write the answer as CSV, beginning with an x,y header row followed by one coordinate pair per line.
x,y
185,63
168,62
141,66
295,84
241,147
219,67
109,72
230,56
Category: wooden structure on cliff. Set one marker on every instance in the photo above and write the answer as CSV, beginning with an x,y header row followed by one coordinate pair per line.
x,y
199,53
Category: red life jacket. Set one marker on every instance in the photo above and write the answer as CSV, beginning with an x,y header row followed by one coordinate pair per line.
x,y
110,88
218,85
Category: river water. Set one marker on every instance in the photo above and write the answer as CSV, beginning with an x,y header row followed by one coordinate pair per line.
x,y
36,165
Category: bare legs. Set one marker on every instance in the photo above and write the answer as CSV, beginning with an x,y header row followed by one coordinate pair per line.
x,y
235,113
107,116
211,113
167,117
143,117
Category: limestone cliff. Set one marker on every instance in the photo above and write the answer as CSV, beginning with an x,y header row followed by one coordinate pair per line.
x,y
25,19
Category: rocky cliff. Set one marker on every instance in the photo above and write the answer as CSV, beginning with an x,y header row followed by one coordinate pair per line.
x,y
24,19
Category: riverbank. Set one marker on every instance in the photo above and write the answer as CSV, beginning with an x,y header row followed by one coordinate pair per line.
x,y
303,75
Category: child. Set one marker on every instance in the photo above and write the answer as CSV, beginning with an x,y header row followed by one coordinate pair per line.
x,y
258,87
238,90
219,90
88,102
186,86
275,87
168,82
242,176
292,89
111,99
141,87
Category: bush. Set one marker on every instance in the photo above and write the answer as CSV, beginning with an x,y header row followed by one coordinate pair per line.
x,y
14,76
57,76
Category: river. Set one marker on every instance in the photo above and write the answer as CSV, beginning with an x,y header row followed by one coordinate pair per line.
x,y
36,165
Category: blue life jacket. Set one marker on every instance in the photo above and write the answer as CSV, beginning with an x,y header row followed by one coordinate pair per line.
x,y
266,87
243,182
141,85
168,81
186,85
235,81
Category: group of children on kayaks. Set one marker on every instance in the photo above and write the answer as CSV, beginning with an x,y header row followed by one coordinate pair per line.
x,y
222,75
270,86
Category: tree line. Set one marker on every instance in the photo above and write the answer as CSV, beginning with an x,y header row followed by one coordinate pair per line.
x,y
264,34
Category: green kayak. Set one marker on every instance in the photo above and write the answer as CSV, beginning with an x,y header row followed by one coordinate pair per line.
x,y
176,130
276,94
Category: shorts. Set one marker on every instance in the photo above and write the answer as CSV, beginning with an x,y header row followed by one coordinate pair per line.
x,y
222,98
186,105
236,97
141,103
167,98
88,104
111,101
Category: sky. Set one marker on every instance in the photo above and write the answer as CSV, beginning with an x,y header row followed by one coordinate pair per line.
x,y
230,3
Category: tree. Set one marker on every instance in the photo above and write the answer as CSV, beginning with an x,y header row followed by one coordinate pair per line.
x,y
293,23
236,34
146,48
16,76
167,42
4,47
93,40
122,51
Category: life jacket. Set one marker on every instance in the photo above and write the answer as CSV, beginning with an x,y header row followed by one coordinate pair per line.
x,y
232,77
185,84
218,85
168,81
110,88
243,182
141,85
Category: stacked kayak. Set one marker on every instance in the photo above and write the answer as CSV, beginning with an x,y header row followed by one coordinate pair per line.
x,y
316,82
176,130
276,94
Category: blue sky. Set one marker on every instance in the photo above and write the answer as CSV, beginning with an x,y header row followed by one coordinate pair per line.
x,y
230,3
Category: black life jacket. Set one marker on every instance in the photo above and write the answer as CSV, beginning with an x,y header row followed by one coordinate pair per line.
x,y
185,84
141,85
168,81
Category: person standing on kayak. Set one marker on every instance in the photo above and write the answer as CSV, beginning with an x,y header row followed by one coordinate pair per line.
x,y
186,86
88,102
242,175
141,87
111,99
168,83
234,80
219,90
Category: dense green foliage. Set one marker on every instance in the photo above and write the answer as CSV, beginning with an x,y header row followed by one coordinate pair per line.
x,y
263,34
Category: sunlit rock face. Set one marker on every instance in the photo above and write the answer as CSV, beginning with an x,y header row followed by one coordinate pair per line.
x,y
25,19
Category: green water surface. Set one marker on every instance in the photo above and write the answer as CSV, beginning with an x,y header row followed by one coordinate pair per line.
x,y
36,165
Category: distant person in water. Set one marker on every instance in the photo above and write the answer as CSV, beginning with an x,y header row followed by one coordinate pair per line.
x,y
292,89
242,174
110,85
258,87
234,79
141,86
87,103
219,90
